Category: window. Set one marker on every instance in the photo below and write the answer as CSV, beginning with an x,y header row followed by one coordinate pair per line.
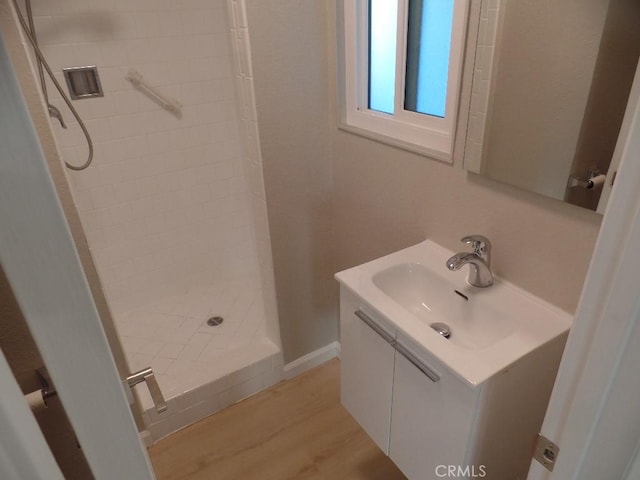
x,y
401,69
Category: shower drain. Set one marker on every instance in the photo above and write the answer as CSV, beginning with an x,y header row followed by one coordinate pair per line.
x,y
215,321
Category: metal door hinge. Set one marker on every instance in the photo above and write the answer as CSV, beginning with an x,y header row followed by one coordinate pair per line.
x,y
546,452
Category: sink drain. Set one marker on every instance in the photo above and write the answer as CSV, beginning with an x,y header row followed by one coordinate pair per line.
x,y
442,328
215,321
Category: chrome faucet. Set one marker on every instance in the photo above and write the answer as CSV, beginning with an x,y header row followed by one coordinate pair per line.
x,y
479,261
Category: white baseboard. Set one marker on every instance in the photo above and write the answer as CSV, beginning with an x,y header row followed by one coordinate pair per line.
x,y
311,360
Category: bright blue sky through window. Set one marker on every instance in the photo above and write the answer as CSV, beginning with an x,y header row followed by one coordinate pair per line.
x,y
433,67
382,54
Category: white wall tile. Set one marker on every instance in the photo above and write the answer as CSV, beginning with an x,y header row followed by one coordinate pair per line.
x,y
141,151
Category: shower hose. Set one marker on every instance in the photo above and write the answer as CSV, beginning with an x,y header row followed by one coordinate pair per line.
x,y
42,62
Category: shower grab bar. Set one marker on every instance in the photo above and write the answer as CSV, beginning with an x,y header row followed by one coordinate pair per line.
x,y
170,104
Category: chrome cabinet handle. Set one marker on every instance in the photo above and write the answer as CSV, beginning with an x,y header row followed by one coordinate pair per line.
x,y
374,326
402,350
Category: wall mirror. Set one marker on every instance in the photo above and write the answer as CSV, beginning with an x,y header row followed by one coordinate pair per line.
x,y
551,82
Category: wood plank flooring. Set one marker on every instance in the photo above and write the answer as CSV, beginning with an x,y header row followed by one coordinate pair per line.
x,y
294,430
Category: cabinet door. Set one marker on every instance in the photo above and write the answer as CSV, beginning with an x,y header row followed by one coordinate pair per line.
x,y
431,420
366,372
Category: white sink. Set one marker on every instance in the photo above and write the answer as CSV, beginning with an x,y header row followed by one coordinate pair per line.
x,y
474,322
490,329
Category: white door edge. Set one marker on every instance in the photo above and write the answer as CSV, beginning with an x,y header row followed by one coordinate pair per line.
x,y
634,95
42,266
606,314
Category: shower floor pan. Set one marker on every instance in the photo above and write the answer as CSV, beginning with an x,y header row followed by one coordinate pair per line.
x,y
200,368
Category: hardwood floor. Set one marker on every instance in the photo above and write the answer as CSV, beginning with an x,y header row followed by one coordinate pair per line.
x,y
294,430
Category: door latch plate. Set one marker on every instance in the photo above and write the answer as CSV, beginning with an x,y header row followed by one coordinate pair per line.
x,y
546,452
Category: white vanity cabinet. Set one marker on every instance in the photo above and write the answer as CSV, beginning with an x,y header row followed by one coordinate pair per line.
x,y
431,419
366,372
418,421
426,417
467,406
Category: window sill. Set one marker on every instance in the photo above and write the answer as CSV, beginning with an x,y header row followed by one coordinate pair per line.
x,y
394,142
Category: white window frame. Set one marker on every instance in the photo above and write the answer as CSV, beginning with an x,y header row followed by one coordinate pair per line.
x,y
425,134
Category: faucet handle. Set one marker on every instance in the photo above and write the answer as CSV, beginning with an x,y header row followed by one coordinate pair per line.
x,y
480,244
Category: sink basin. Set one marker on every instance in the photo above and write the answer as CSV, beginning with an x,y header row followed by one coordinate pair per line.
x,y
473,321
490,327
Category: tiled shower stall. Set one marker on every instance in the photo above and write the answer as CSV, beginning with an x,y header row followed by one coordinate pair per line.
x,y
173,206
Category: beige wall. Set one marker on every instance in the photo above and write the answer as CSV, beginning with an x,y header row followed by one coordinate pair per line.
x,y
336,200
388,199
291,72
